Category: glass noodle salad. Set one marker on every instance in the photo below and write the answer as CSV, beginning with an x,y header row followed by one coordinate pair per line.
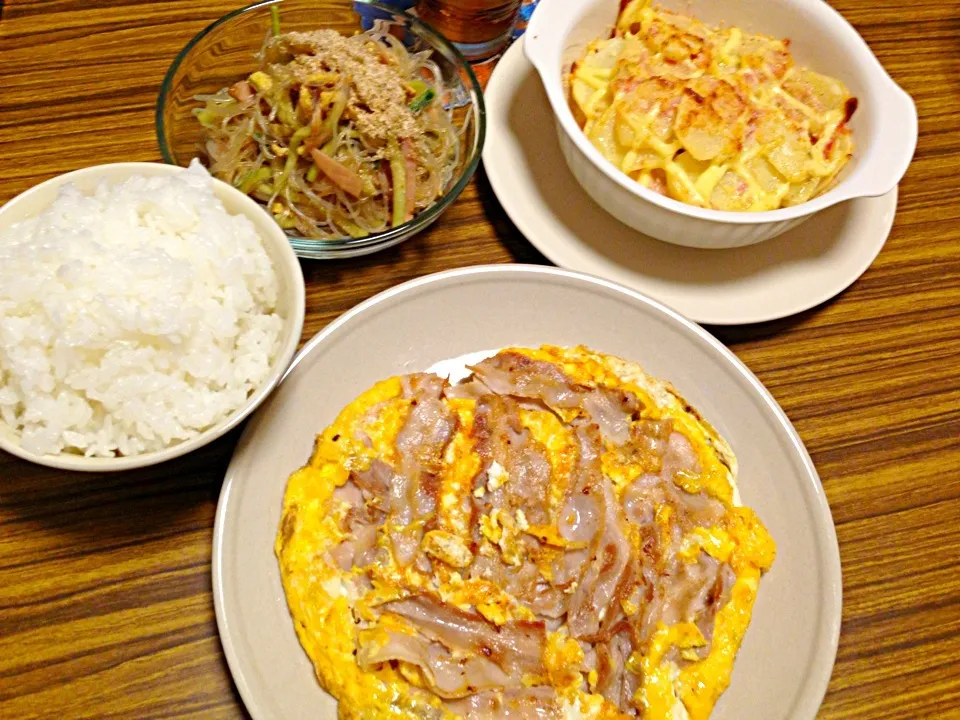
x,y
338,136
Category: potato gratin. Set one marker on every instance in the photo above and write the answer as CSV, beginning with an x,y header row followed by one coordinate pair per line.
x,y
556,536
714,117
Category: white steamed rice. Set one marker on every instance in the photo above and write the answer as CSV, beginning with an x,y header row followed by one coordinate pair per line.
x,y
132,319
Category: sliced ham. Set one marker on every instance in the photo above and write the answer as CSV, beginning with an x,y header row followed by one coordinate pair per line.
x,y
339,174
319,137
242,91
410,175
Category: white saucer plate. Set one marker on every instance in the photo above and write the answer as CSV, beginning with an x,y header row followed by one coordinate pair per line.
x,y
783,276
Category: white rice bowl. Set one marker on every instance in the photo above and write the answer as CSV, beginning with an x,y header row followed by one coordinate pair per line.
x,y
134,318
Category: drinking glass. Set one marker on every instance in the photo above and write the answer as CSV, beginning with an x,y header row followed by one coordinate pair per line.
x,y
479,28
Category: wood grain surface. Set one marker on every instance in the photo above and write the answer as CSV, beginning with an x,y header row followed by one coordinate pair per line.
x,y
105,589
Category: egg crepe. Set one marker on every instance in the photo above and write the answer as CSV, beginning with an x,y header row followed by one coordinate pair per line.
x,y
558,535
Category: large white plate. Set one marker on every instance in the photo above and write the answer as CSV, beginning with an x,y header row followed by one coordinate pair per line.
x,y
788,653
790,273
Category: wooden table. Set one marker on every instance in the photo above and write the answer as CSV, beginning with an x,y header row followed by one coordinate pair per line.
x,y
105,590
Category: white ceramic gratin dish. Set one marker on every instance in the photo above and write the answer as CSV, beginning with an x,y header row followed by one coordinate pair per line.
x,y
291,300
884,125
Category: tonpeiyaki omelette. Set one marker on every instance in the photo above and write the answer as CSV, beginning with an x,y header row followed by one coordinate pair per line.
x,y
558,535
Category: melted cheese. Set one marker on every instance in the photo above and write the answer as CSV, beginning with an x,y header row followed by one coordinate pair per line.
x,y
714,117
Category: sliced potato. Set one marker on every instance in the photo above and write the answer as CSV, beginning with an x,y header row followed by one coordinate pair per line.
x,y
801,192
765,174
602,136
790,156
711,119
731,193
581,92
816,91
680,185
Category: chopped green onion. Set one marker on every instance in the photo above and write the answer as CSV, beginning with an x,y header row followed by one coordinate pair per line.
x,y
423,99
398,173
353,230
312,173
207,118
298,137
275,19
333,119
287,222
247,182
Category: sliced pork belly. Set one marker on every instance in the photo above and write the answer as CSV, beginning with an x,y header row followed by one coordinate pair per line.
x,y
609,556
511,373
515,647
533,703
502,439
447,676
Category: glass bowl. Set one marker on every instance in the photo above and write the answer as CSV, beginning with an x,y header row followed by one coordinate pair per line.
x,y
224,53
